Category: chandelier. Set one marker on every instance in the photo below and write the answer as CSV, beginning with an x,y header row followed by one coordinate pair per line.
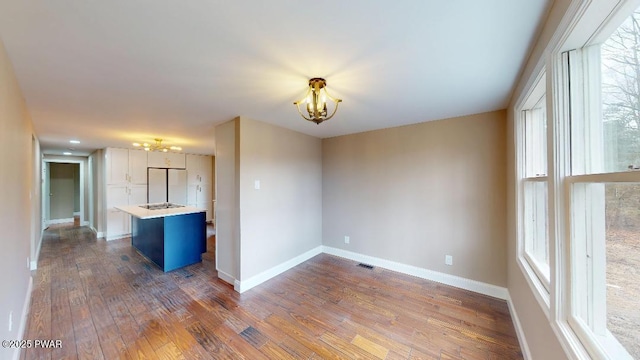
x,y
316,102
157,146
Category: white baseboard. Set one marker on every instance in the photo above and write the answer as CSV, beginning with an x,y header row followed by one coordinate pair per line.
x,y
519,331
59,221
226,277
256,280
116,237
447,279
34,262
99,234
24,318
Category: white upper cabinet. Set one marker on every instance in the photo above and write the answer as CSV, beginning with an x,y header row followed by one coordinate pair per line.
x,y
166,160
199,169
137,166
117,166
126,166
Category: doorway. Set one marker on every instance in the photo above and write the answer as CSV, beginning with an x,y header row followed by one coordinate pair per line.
x,y
63,190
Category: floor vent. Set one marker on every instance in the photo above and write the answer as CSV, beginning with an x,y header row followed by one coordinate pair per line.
x,y
366,266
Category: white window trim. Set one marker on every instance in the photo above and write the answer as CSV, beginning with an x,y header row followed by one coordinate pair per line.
x,y
535,90
606,345
582,19
577,30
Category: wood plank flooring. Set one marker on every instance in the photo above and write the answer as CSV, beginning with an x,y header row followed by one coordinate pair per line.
x,y
105,301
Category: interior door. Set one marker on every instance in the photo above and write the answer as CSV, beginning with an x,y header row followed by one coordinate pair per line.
x,y
157,188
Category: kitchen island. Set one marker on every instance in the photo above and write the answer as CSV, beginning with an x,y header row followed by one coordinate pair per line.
x,y
171,236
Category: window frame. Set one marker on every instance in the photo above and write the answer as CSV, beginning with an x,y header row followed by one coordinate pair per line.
x,y
593,332
584,22
580,33
538,281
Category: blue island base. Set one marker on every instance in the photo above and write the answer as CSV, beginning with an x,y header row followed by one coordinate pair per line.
x,y
171,242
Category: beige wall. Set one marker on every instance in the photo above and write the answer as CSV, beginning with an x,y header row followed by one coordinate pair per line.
x,y
416,193
17,194
282,219
227,200
257,230
97,192
36,203
541,339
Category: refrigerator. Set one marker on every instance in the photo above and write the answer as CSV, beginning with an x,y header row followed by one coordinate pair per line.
x,y
167,185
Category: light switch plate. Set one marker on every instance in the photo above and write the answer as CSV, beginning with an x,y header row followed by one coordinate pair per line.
x,y
256,184
448,260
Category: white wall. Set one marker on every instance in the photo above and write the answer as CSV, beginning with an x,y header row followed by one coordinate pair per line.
x,y
18,194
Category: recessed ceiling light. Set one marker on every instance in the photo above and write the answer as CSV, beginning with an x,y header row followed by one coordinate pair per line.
x,y
66,153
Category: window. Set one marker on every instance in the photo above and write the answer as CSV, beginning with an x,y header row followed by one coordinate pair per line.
x,y
604,191
533,189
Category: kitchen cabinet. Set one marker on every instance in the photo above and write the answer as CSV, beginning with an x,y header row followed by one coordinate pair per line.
x,y
126,174
118,222
200,183
200,196
137,166
199,169
117,161
167,160
126,166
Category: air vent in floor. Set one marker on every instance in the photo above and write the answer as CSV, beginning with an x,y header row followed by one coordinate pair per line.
x,y
366,266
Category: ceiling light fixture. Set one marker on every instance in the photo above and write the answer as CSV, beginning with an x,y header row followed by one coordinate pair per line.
x,y
316,100
66,153
157,146
74,141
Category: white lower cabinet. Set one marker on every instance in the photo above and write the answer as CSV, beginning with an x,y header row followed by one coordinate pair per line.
x,y
118,222
200,197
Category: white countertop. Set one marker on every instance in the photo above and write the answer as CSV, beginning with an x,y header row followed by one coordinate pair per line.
x,y
143,213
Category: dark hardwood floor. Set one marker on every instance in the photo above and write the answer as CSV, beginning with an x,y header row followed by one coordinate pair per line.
x,y
105,301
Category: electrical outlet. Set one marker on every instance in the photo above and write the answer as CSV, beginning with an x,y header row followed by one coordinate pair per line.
x,y
448,260
346,239
10,320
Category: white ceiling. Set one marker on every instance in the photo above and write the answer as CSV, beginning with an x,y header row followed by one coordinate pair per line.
x,y
112,72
